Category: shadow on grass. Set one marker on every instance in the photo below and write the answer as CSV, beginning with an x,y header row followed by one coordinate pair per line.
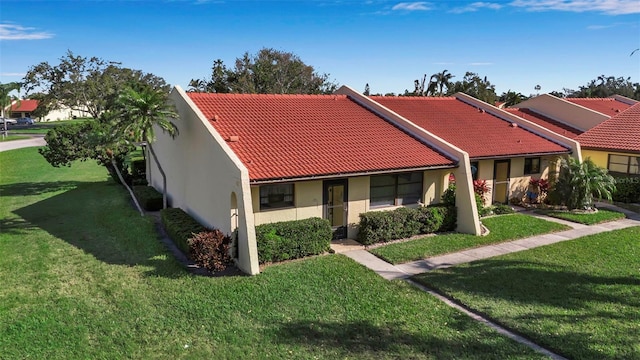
x,y
97,218
531,283
36,188
366,340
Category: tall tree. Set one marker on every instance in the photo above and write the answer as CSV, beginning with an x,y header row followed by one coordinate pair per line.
x,y
474,85
140,111
5,95
604,86
270,71
85,84
511,98
442,80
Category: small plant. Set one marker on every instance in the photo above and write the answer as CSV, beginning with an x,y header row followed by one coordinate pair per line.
x,y
210,249
502,209
449,196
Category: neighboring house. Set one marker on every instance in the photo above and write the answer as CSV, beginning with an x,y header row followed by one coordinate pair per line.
x,y
504,149
22,108
579,114
25,108
245,159
615,143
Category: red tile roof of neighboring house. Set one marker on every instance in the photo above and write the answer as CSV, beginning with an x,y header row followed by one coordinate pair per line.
x,y
553,125
621,132
25,105
607,106
296,136
476,132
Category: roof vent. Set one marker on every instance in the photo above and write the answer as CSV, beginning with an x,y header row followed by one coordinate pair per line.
x,y
233,138
513,125
215,118
480,110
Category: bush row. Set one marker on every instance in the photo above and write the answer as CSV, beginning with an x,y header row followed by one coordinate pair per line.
x,y
148,197
293,239
627,188
180,227
383,226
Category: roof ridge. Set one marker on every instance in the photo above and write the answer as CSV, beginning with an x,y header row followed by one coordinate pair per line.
x,y
245,95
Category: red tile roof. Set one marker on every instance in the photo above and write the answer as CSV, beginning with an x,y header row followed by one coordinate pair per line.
x,y
621,132
295,136
553,125
607,106
478,133
25,105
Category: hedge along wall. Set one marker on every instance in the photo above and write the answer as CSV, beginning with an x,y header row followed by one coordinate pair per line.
x,y
383,226
627,188
180,227
293,239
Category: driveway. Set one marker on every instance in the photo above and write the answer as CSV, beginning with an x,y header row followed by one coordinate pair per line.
x,y
18,144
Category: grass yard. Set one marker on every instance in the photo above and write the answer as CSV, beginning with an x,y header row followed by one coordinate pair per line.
x,y
13,137
603,215
503,228
84,277
578,298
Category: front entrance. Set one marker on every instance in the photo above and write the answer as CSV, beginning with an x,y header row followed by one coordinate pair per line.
x,y
336,206
501,181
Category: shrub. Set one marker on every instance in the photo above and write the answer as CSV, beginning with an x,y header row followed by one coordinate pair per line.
x,y
180,226
383,226
148,197
210,249
449,196
579,182
293,239
501,209
627,189
138,169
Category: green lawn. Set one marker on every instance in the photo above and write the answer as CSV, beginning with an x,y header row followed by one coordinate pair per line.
x,y
502,228
603,215
13,137
578,298
84,277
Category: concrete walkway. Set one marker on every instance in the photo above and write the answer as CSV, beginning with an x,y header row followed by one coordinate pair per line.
x,y
403,271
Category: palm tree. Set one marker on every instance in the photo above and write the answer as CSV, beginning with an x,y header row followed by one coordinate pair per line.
x,y
578,183
5,98
442,79
141,111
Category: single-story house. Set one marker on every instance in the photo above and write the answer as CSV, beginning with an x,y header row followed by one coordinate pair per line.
x,y
579,114
22,108
242,160
504,149
615,143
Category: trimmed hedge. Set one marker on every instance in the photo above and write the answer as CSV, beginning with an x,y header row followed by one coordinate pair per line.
x,y
293,239
180,227
383,226
627,188
148,197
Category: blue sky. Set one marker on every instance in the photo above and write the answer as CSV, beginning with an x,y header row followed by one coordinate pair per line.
x,y
517,44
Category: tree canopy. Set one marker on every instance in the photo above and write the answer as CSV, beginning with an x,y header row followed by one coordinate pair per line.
x,y
604,86
270,71
5,95
86,84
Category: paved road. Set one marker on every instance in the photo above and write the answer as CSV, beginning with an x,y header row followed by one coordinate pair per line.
x,y
18,144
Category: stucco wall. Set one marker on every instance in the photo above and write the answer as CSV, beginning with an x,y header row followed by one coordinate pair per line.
x,y
202,174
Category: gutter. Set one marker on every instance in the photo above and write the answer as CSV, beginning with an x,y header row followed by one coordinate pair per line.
x,y
340,176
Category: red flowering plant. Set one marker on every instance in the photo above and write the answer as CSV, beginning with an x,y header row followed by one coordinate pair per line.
x,y
480,187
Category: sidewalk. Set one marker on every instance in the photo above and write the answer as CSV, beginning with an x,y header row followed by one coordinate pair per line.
x,y
18,144
406,270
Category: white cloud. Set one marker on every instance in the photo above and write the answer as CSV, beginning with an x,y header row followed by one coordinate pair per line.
x,y
611,7
17,32
476,6
412,6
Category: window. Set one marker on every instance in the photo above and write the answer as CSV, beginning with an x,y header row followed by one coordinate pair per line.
x,y
474,170
276,196
396,189
624,164
531,165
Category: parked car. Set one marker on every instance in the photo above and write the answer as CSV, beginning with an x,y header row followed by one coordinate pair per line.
x,y
8,121
25,121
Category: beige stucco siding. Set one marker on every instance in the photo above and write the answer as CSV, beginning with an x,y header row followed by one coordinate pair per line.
x,y
202,174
